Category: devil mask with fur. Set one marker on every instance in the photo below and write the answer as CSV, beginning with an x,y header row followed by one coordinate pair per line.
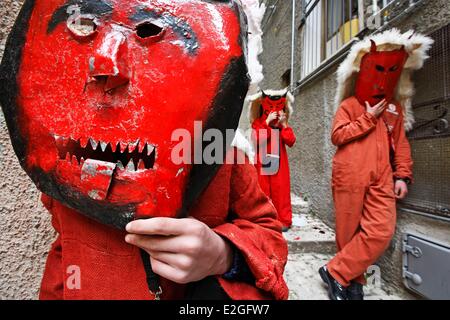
x,y
91,103
380,67
265,102
379,75
271,104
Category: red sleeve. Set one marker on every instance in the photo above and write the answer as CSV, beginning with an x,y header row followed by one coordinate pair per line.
x,y
345,130
261,132
402,157
288,136
255,231
52,285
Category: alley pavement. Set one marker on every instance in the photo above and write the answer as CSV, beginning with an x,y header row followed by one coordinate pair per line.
x,y
311,245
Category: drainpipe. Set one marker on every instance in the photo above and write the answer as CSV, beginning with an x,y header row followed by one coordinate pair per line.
x,y
293,48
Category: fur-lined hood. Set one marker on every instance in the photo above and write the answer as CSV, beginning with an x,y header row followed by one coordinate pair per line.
x,y
416,45
253,103
255,14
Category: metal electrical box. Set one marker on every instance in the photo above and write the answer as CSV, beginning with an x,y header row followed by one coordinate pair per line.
x,y
426,267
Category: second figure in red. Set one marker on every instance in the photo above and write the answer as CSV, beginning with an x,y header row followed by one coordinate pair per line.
x,y
269,116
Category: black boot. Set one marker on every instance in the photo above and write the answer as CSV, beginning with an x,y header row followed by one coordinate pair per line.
x,y
355,291
335,290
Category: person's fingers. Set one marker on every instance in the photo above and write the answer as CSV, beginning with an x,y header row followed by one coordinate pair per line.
x,y
157,226
381,103
368,105
179,261
155,243
382,106
401,192
168,272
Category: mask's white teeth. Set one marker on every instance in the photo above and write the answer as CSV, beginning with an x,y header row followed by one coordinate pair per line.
x,y
103,145
94,144
142,145
74,160
141,165
132,146
123,147
150,149
84,142
81,161
130,166
120,165
114,147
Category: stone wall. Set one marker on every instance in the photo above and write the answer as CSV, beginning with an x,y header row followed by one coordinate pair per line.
x,y
25,230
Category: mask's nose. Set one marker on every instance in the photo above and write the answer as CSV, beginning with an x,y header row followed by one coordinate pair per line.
x,y
110,62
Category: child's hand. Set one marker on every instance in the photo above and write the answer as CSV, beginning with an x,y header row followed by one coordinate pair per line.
x,y
181,250
271,117
378,109
401,189
283,119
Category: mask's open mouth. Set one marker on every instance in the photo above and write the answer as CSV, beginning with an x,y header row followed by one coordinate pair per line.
x,y
379,96
129,156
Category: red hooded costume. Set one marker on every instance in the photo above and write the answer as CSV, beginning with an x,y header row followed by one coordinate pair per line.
x,y
94,92
270,143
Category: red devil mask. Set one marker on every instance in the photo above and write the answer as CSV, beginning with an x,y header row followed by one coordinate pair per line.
x,y
92,99
379,75
272,104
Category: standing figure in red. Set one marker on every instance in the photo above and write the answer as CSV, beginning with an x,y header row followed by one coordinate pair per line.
x,y
372,167
269,114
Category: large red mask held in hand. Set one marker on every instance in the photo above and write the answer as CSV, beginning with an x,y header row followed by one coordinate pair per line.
x,y
92,91
379,75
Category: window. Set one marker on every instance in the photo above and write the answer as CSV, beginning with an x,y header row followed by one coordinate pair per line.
x,y
327,26
342,24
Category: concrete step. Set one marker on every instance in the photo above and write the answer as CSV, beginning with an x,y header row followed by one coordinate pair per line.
x,y
310,234
304,282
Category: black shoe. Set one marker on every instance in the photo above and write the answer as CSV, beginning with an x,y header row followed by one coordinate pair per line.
x,y
355,291
285,229
336,291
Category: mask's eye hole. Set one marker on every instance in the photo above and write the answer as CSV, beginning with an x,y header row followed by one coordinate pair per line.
x,y
149,31
393,69
380,68
82,26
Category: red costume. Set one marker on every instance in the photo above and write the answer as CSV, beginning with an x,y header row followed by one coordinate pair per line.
x,y
93,93
274,176
371,152
112,269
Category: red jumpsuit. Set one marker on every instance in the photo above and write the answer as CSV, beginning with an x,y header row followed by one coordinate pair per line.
x,y
233,206
363,185
277,186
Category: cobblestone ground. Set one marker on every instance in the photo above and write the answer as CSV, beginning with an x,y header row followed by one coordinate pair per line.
x,y
311,245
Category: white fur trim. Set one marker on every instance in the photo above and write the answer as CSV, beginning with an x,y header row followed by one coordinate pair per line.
x,y
242,143
253,103
255,14
416,45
